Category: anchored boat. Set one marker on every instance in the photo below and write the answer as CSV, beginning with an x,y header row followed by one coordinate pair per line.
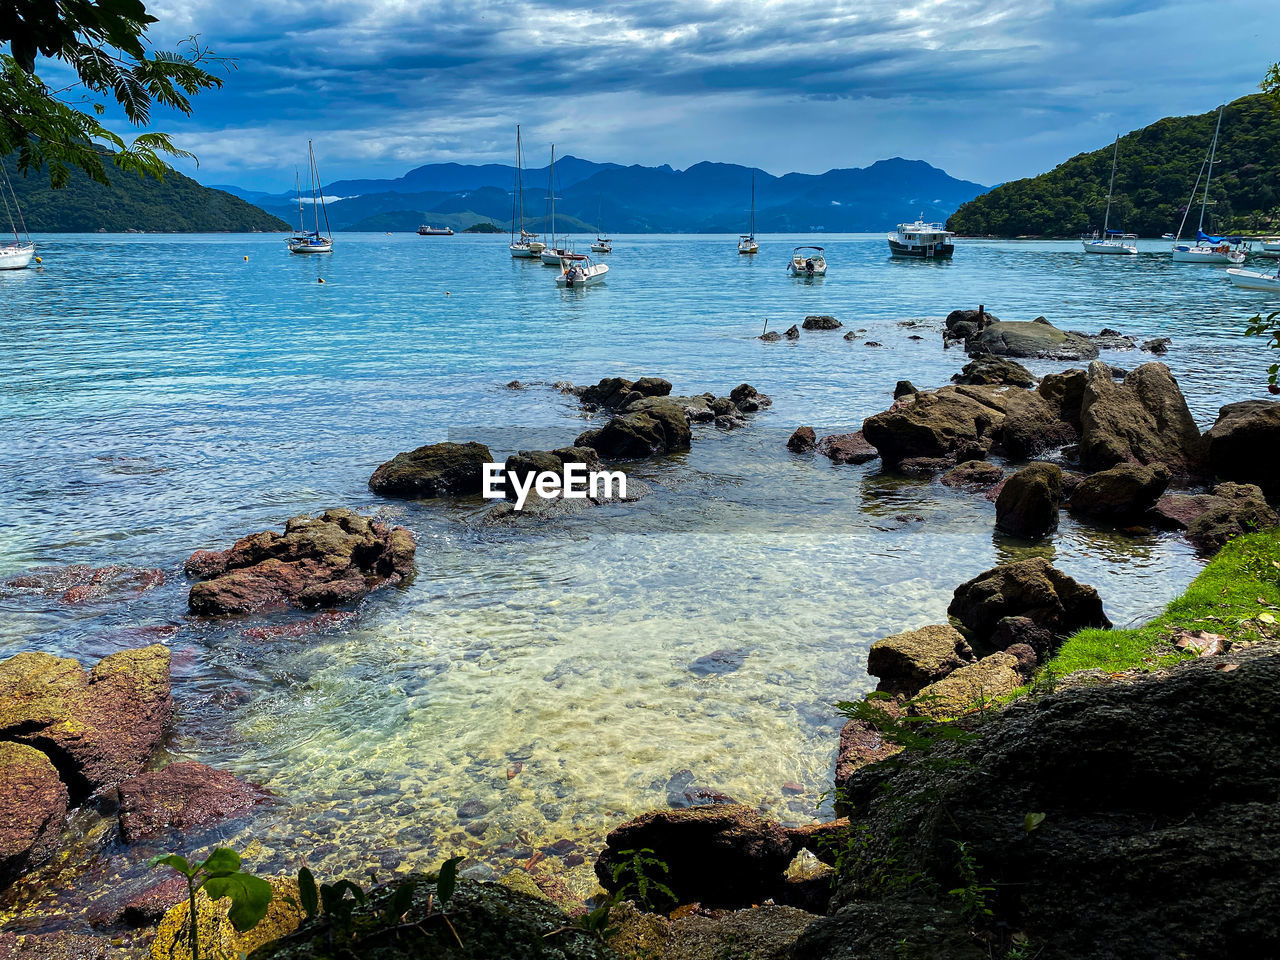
x,y
747,242
807,262
922,241
1111,241
1207,249
527,246
429,231
578,270
313,241
16,255
1255,280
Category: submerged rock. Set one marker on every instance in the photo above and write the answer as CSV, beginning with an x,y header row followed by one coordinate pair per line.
x,y
1122,495
33,801
802,441
770,336
78,583
1157,345
1032,588
1242,431
973,475
180,797
1028,504
1143,420
793,332
659,429
434,470
321,561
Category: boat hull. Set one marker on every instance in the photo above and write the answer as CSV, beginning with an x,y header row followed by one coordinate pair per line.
x,y
1187,254
16,256
1252,280
601,248
819,270
591,276
435,231
523,252
929,251
1108,247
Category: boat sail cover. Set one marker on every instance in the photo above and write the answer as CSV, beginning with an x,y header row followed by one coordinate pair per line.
x,y
1205,238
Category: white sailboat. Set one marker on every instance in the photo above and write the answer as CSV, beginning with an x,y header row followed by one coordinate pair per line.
x,y
1255,279
747,241
603,244
1111,241
524,245
1207,249
553,254
16,255
312,241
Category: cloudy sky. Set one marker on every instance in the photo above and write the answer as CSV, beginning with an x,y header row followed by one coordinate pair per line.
x,y
989,90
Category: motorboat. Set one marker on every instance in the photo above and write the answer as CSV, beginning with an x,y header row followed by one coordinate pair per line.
x,y
922,241
807,262
747,241
1111,241
1270,247
428,231
1166,236
1207,249
1255,279
580,271
311,241
16,255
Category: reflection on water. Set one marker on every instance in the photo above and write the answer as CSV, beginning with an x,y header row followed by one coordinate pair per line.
x,y
162,395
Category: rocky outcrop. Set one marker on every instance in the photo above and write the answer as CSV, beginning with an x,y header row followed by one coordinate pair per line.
x,y
1157,345
33,802
1032,588
966,324
1235,441
725,854
180,797
1064,392
614,393
322,561
973,475
434,470
661,428
975,685
906,662
1031,426
995,370
1039,338
1144,420
1122,495
802,441
847,448
821,322
1233,510
1028,504
936,424
861,745
99,726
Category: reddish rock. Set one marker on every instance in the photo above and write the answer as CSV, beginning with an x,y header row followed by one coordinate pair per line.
x,y
321,561
1177,510
137,904
725,854
300,628
180,797
78,583
847,448
99,726
860,746
33,802
802,441
973,475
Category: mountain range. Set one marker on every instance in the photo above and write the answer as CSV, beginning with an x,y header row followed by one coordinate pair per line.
x,y
705,198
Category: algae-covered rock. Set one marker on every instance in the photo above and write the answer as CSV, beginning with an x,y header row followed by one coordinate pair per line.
x,y
1144,420
936,424
905,662
1028,503
766,932
181,796
33,801
994,370
434,470
1037,338
658,429
1031,588
1122,494
972,687
1235,509
219,939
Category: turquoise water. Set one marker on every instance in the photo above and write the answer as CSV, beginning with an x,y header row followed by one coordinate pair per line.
x,y
161,394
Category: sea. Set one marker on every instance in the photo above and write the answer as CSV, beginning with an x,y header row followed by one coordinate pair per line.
x,y
163,394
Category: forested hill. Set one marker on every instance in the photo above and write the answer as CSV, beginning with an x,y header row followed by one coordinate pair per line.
x,y
175,205
1155,172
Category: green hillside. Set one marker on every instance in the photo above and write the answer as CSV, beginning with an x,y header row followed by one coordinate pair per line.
x,y
1154,175
175,205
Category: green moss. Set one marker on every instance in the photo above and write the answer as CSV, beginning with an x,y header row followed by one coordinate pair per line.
x,y
1231,597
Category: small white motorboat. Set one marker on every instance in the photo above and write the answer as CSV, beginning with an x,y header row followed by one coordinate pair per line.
x,y
1255,280
1270,247
602,245
807,262
1166,236
16,255
580,271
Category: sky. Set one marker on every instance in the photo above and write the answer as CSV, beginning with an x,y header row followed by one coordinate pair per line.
x,y
989,90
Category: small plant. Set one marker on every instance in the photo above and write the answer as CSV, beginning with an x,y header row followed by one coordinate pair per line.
x,y
973,893
1269,328
219,875
912,734
641,886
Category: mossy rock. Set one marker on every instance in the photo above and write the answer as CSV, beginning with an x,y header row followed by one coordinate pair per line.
x,y
219,940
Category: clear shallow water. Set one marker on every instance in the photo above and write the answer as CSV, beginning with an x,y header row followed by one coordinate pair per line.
x,y
162,394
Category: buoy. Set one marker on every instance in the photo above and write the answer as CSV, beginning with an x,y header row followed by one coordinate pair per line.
x,y
246,258
448,294
322,279
38,260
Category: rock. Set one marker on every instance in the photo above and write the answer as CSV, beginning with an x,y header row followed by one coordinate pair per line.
x,y
1158,345
1013,632
973,475
1155,791
904,388
1145,420
861,745
180,797
78,583
520,465
435,470
770,336
935,424
819,838
718,662
1175,511
793,332
658,430
34,801
964,324
616,392
65,945
218,937
821,323
1028,505
744,395
765,932
322,561
905,662
1031,426
1237,509
847,448
878,930
802,441
1021,339
99,726
1109,339
973,687
995,370
1064,392
515,385
873,343
472,809
1234,441
1030,588
717,855
137,904
1121,495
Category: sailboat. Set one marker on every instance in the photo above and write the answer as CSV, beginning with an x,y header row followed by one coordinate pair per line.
x,y
1207,249
1111,241
747,242
524,245
603,244
16,255
553,254
313,241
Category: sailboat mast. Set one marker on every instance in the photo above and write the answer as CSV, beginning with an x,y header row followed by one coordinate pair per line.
x,y
328,231
297,188
5,196
753,204
1213,152
311,170
520,180
551,195
1106,220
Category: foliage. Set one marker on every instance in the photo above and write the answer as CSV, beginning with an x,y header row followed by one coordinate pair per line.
x,y
914,734
484,226
219,874
636,880
103,45
972,892
1270,328
1270,84
1154,175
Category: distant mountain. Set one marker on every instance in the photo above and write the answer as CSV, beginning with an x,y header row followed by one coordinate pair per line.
x,y
175,205
1155,171
705,198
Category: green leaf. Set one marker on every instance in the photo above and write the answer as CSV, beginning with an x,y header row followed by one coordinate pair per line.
x,y
447,881
308,893
174,860
1031,821
250,897
400,900
222,860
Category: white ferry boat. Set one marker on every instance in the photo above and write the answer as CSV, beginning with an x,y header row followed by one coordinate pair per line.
x,y
928,241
